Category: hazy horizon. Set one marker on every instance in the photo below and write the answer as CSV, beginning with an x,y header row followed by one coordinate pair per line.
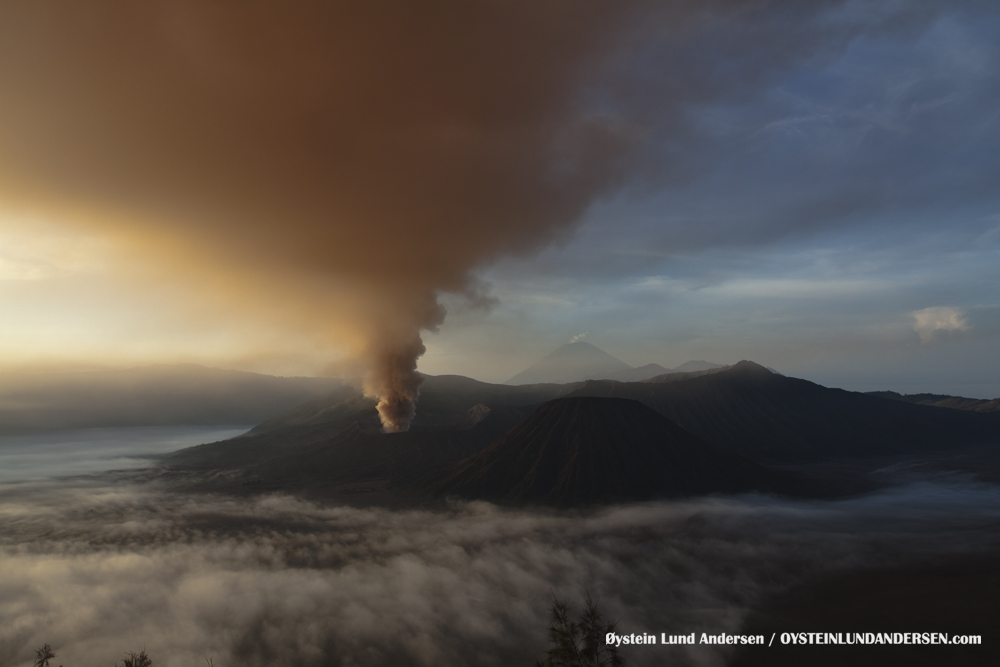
x,y
862,383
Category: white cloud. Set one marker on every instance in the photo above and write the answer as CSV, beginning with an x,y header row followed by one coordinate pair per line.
x,y
97,569
939,318
578,337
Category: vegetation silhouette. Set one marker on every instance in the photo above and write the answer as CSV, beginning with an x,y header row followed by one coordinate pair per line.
x,y
572,643
139,659
43,654
579,643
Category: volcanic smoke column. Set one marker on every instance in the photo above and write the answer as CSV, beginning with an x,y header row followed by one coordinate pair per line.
x,y
341,164
334,167
394,380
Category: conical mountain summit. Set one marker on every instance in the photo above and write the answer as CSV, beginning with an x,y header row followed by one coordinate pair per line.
x,y
579,451
572,362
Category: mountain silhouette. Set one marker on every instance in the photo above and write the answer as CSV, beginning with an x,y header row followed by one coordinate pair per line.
x,y
571,362
765,416
744,410
696,365
579,451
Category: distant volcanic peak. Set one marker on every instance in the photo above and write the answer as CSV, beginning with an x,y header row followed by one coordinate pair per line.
x,y
572,362
584,352
696,365
578,347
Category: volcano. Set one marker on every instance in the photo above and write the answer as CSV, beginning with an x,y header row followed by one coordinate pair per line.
x,y
580,451
572,362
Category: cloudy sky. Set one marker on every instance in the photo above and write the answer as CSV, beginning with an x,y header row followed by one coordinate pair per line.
x,y
316,189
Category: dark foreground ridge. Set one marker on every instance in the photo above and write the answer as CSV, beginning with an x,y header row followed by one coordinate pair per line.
x,y
581,451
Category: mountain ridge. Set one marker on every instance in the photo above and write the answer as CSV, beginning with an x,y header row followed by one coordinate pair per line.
x,y
744,411
750,410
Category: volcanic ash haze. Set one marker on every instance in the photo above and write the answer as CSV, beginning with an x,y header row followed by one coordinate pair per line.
x,y
381,149
338,165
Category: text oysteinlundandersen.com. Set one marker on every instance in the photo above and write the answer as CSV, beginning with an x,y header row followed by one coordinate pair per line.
x,y
799,638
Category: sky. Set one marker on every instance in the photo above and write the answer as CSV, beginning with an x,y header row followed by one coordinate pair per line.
x,y
328,189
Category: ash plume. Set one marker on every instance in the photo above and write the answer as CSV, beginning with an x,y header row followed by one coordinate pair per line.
x,y
394,380
338,165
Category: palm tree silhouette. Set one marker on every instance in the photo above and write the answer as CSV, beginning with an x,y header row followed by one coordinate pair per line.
x,y
579,643
44,655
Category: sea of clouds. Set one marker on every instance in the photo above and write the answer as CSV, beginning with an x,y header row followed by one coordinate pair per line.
x,y
99,565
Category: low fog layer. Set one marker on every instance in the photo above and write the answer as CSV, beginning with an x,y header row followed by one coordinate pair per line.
x,y
97,567
87,451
